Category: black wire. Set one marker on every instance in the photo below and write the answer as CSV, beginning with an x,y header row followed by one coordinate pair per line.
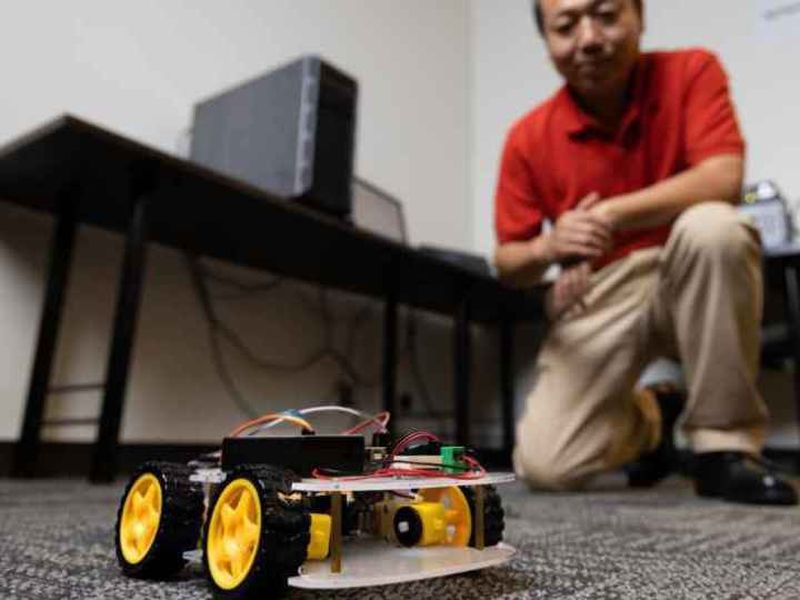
x,y
416,370
409,350
244,289
343,359
350,371
358,320
200,288
227,379
327,319
219,331
239,344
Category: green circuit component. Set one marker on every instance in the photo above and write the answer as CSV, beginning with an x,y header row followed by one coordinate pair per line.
x,y
453,459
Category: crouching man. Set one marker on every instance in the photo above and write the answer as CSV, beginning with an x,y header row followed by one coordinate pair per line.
x,y
638,162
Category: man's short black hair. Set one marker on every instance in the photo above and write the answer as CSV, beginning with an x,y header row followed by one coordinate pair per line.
x,y
537,13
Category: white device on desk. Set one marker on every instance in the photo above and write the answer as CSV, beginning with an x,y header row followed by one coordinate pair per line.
x,y
765,204
378,212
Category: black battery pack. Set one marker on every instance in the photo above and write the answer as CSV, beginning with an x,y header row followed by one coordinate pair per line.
x,y
299,453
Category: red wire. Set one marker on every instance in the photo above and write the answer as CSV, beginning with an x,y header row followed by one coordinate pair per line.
x,y
382,419
405,441
476,472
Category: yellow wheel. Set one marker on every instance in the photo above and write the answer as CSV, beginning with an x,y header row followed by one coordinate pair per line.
x,y
256,536
233,534
141,514
457,515
159,518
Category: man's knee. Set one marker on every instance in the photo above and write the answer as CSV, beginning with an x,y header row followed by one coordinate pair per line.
x,y
546,470
552,477
717,231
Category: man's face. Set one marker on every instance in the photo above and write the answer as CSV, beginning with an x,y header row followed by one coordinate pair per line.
x,y
594,44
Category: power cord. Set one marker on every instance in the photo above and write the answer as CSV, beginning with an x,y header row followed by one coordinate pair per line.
x,y
416,369
221,332
243,290
226,332
409,351
217,357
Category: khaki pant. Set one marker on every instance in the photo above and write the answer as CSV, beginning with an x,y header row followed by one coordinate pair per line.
x,y
697,299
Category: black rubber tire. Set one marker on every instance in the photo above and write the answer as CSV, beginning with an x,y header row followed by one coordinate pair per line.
x,y
283,543
179,524
493,515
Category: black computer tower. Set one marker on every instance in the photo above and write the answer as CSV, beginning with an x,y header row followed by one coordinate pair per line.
x,y
290,132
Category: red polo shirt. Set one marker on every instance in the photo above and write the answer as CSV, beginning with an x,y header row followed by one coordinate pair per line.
x,y
680,113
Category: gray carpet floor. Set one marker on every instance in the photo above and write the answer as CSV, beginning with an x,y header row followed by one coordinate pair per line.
x,y
56,542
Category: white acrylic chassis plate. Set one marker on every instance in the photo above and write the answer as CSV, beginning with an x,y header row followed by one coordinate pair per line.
x,y
395,483
371,561
376,484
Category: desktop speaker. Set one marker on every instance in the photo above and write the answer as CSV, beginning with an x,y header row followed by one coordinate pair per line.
x,y
290,132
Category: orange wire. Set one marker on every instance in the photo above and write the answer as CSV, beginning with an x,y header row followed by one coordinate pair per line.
x,y
269,418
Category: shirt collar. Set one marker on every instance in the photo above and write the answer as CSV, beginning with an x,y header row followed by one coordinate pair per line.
x,y
580,124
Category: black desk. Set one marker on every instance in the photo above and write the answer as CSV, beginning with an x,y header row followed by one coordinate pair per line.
x,y
786,260
82,173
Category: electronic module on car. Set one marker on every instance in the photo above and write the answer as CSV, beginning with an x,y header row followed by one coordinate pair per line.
x,y
299,453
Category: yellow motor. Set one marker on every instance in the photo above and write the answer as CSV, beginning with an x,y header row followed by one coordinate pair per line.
x,y
441,516
320,537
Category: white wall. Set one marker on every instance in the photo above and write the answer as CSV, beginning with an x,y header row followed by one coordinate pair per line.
x,y
510,73
137,68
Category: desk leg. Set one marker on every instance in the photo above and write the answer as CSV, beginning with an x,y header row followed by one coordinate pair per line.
x,y
61,247
104,459
390,360
793,310
462,353
507,382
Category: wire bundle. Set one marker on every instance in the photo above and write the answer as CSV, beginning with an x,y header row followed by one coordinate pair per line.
x,y
472,470
223,334
269,420
475,471
411,439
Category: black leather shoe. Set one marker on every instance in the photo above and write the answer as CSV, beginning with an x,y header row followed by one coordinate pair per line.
x,y
654,466
740,477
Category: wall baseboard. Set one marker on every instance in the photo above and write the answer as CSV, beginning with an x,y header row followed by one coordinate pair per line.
x,y
73,459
